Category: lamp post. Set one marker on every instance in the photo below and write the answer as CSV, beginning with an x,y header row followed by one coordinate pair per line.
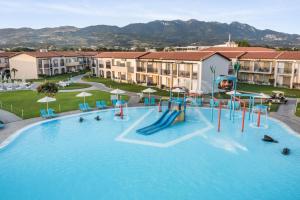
x,y
236,68
213,71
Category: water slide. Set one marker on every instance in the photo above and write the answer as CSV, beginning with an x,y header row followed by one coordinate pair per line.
x,y
163,123
158,122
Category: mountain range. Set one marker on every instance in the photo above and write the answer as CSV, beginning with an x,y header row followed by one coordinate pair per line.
x,y
158,33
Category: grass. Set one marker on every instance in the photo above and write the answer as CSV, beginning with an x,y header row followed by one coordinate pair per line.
x,y
27,101
294,93
298,110
274,107
124,86
74,86
57,78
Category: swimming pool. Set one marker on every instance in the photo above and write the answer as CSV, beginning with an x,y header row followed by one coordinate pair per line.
x,y
107,159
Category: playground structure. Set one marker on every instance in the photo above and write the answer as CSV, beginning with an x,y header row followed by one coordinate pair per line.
x,y
121,109
175,113
237,101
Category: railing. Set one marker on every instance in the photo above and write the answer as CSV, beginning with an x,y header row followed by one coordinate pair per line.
x,y
141,69
165,72
245,68
184,74
151,70
130,69
284,71
194,75
262,69
12,109
71,64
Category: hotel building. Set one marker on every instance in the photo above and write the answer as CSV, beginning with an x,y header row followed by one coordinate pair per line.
x,y
162,69
30,65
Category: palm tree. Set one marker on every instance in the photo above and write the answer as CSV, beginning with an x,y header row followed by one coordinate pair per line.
x,y
50,89
14,71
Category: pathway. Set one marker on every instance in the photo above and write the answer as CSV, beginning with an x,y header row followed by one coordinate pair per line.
x,y
286,114
134,98
8,117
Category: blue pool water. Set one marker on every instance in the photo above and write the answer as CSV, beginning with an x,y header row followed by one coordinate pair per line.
x,y
65,159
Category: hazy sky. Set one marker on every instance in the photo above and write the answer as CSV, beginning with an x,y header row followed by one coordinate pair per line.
x,y
280,15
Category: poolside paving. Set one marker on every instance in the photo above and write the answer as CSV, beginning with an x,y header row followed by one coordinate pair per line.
x,y
286,114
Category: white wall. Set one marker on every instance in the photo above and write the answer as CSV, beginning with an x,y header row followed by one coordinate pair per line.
x,y
221,65
26,66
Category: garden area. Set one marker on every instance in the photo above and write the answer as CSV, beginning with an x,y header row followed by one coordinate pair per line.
x,y
73,86
130,87
26,102
267,89
59,77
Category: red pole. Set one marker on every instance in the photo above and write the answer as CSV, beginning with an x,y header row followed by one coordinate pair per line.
x,y
219,119
258,120
243,121
121,112
159,106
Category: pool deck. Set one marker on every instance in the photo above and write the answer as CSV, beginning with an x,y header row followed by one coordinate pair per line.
x,y
13,123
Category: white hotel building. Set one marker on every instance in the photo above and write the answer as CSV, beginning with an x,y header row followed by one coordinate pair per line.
x,y
162,69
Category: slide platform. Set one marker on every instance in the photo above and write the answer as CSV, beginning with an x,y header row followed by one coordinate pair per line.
x,y
163,122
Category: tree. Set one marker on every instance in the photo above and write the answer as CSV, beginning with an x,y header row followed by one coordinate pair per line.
x,y
243,43
50,89
14,71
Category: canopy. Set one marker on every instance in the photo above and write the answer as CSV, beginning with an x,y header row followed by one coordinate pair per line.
x,y
178,90
84,94
263,96
117,91
233,93
149,90
46,100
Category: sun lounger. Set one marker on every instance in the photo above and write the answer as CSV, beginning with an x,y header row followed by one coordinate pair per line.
x,y
152,101
87,107
82,107
44,114
51,113
101,104
146,101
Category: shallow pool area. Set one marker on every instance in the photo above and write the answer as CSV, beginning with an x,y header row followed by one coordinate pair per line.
x,y
107,159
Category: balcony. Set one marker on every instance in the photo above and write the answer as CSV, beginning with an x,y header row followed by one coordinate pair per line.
x,y
166,72
72,64
3,65
152,70
130,69
185,74
262,69
245,68
195,75
284,71
141,69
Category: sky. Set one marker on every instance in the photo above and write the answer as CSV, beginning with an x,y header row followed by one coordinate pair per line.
x,y
279,15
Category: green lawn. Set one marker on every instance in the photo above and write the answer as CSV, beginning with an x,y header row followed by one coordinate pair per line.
x,y
294,93
298,110
27,100
74,86
124,86
57,78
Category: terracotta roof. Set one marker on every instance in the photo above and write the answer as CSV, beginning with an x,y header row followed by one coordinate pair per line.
x,y
120,54
190,56
241,49
50,54
232,54
289,55
8,54
261,55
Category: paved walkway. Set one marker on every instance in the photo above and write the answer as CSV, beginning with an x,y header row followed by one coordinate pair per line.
x,y
286,114
8,117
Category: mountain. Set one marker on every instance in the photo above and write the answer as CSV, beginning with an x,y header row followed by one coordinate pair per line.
x,y
153,34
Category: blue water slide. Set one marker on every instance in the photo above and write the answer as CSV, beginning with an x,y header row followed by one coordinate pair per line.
x,y
159,121
166,123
